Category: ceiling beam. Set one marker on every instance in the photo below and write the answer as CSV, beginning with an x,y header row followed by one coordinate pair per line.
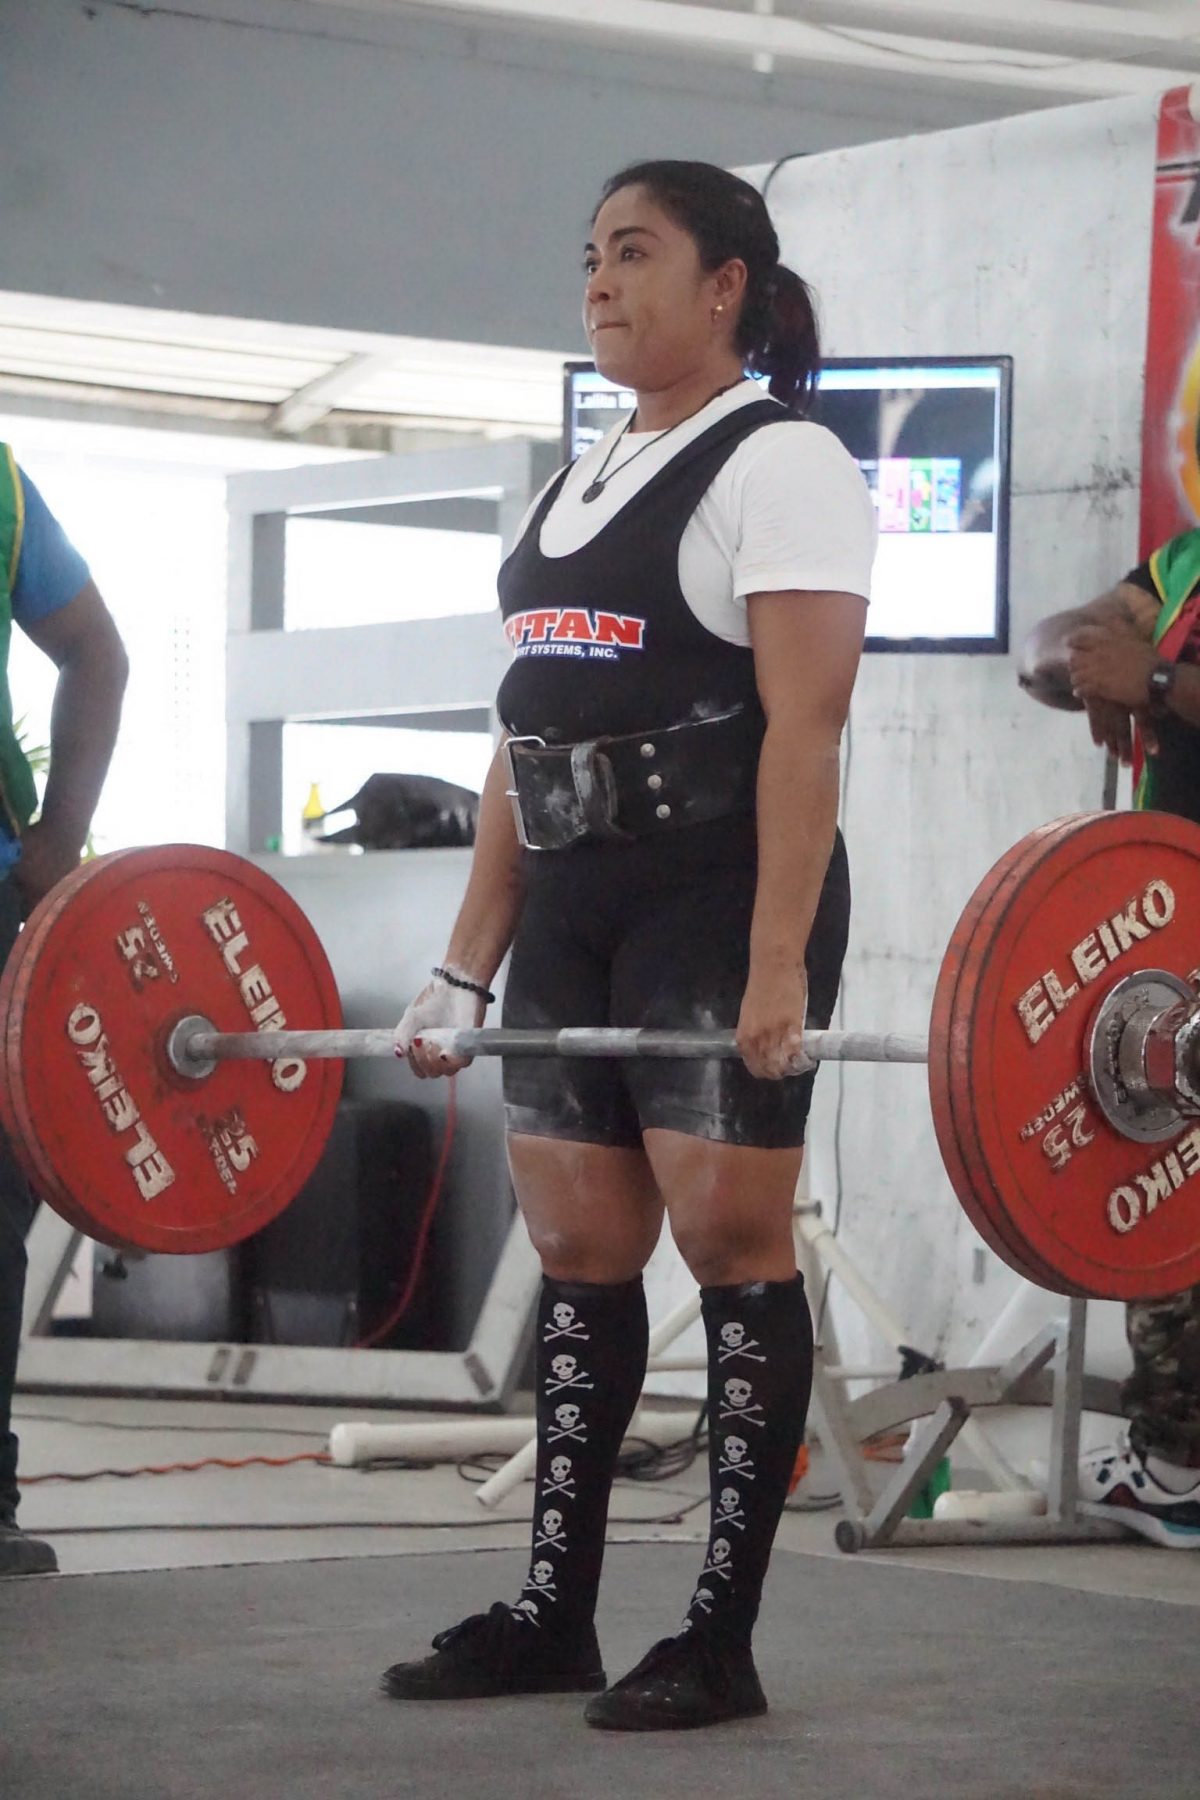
x,y
703,30
1031,22
319,397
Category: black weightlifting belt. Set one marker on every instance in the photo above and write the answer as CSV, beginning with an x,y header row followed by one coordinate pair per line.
x,y
616,788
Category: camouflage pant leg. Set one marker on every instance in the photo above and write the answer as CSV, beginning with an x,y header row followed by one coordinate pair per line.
x,y
1161,1399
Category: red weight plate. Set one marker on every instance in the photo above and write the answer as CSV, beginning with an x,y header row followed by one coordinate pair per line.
x,y
1108,1216
110,1135
954,1135
940,1054
950,1078
14,1115
1017,1250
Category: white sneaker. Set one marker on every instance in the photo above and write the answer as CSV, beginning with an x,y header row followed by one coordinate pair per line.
x,y
1114,1483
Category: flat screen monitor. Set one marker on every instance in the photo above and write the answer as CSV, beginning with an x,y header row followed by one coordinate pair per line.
x,y
931,436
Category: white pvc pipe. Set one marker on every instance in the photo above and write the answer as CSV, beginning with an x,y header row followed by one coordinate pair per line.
x,y
674,1325
649,1427
359,1442
518,1467
980,1508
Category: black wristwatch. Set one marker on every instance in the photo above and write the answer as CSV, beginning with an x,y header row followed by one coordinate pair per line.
x,y
1160,682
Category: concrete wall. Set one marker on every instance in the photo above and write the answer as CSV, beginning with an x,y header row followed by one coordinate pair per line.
x,y
273,159
1030,236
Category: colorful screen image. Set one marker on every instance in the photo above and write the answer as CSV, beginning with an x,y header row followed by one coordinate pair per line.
x,y
931,438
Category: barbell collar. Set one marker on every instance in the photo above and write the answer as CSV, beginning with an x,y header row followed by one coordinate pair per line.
x,y
1140,1055
193,1050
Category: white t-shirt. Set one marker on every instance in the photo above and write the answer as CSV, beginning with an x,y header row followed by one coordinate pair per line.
x,y
788,510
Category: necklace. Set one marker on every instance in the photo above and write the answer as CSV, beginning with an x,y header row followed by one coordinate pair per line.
x,y
595,488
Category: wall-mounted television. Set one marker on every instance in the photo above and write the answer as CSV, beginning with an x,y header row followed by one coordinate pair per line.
x,y
931,436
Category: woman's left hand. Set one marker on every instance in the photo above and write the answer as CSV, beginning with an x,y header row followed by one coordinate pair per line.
x,y
770,1028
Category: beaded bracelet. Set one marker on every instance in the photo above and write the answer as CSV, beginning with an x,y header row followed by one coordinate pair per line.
x,y
460,981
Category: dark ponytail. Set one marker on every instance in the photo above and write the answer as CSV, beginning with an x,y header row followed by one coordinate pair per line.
x,y
777,333
786,344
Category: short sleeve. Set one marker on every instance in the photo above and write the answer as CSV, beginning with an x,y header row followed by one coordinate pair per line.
x,y
1141,578
804,515
50,571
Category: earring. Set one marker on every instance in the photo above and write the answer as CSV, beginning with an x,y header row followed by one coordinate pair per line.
x,y
719,308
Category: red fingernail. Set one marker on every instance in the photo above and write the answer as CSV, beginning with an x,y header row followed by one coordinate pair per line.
x,y
417,1043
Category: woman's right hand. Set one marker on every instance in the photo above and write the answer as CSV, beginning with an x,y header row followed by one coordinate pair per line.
x,y
1112,729
443,1007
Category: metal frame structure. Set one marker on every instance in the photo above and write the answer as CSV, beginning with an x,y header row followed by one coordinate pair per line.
x,y
946,1401
482,1376
431,673
438,673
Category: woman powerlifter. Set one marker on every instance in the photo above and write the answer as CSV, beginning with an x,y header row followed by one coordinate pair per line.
x,y
686,606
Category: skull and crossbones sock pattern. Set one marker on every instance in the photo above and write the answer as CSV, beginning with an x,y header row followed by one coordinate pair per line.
x,y
590,1362
760,1358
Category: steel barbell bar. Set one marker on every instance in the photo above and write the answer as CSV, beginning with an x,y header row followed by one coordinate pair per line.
x,y
195,1047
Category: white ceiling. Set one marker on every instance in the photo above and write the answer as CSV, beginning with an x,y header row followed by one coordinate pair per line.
x,y
65,358
1071,49
277,380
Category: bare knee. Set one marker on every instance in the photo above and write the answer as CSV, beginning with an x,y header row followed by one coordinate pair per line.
x,y
729,1251
730,1207
567,1254
593,1213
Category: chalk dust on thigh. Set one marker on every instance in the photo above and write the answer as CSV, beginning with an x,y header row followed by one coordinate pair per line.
x,y
730,1206
593,1211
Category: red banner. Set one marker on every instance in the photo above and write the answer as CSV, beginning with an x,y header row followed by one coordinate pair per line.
x,y
1171,421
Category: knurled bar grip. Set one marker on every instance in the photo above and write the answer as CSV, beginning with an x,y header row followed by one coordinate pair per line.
x,y
270,1046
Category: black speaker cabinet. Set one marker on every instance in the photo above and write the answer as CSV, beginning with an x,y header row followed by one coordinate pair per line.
x,y
332,1268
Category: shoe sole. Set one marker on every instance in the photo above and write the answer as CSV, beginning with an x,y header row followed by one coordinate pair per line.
x,y
34,1565
642,1722
588,1684
1167,1537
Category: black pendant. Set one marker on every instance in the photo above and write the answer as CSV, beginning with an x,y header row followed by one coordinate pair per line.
x,y
592,493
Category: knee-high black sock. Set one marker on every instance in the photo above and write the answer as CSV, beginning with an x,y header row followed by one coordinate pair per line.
x,y
590,1363
760,1350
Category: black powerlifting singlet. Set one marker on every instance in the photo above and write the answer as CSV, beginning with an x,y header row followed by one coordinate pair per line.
x,y
605,642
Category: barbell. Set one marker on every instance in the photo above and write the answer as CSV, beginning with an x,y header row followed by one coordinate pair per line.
x,y
174,1047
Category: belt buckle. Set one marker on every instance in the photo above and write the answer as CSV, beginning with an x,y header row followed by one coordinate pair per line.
x,y
595,789
512,793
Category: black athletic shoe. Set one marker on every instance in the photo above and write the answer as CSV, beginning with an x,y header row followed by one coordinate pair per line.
x,y
495,1653
23,1555
682,1683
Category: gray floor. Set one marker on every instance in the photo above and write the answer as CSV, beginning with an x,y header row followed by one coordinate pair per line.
x,y
885,1681
220,1633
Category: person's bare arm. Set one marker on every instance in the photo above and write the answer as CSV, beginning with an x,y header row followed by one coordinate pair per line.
x,y
1042,662
81,639
491,907
1115,672
806,653
481,934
